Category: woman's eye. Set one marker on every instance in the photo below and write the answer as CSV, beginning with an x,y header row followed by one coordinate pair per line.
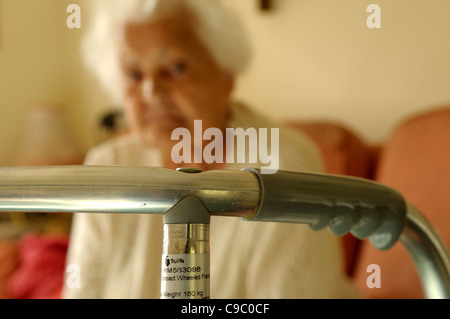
x,y
134,75
178,68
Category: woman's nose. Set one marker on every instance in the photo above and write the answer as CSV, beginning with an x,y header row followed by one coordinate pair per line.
x,y
151,89
147,89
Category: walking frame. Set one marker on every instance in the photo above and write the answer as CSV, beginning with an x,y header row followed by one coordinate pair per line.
x,y
188,198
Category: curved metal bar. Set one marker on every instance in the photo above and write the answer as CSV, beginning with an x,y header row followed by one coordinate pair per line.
x,y
116,189
339,203
429,254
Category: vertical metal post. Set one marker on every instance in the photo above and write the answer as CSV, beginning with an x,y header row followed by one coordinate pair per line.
x,y
429,253
185,270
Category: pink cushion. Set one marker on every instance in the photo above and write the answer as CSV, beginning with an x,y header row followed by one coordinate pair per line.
x,y
41,270
416,162
344,152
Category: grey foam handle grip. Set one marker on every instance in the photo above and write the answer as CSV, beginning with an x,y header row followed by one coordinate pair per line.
x,y
343,204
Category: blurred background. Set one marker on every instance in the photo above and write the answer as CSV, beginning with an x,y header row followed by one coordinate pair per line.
x,y
313,59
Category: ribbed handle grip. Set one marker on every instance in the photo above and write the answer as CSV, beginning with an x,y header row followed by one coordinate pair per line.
x,y
343,204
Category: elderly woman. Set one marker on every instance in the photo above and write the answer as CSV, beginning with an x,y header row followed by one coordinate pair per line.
x,y
170,63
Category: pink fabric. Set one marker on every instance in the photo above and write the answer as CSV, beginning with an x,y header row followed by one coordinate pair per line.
x,y
40,274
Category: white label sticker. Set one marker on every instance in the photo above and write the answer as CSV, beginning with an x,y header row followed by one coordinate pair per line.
x,y
185,276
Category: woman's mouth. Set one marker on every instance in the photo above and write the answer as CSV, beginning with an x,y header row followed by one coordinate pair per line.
x,y
161,118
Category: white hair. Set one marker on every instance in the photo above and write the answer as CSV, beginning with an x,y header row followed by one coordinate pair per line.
x,y
217,28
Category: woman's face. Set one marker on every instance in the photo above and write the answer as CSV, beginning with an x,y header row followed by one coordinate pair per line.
x,y
170,80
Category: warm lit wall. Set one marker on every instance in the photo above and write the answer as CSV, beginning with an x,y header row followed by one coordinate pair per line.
x,y
39,63
318,59
314,59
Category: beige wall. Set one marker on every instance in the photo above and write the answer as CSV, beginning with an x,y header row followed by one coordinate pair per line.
x,y
314,59
317,59
39,63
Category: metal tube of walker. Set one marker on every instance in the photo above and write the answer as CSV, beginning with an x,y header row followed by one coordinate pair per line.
x,y
342,204
185,272
429,254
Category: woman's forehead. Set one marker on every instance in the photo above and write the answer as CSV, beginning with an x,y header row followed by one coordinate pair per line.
x,y
159,41
170,30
